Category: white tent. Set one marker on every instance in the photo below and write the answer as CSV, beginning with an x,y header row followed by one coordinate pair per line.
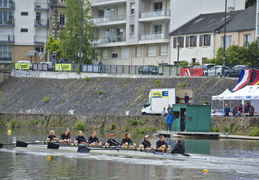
x,y
220,96
246,93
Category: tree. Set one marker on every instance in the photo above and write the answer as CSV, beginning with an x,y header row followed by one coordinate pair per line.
x,y
253,53
235,55
219,56
70,37
54,45
250,3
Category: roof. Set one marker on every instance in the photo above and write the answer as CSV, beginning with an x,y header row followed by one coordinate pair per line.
x,y
205,23
244,21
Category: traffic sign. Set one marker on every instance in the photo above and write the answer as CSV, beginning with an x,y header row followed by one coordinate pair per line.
x,y
80,54
54,53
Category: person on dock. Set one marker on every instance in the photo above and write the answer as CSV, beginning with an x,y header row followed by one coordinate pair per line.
x,y
251,110
163,112
80,139
127,142
234,110
145,143
65,138
162,145
169,121
93,140
179,147
226,110
112,141
52,136
186,98
247,108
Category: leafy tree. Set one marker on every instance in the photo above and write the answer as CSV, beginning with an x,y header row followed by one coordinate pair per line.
x,y
219,56
235,55
70,37
54,45
250,3
253,53
183,63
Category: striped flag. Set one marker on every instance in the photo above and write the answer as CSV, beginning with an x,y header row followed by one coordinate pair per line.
x,y
244,79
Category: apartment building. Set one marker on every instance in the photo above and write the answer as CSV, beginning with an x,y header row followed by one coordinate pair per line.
x,y
24,29
56,17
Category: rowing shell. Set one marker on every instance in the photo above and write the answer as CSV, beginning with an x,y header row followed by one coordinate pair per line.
x,y
113,152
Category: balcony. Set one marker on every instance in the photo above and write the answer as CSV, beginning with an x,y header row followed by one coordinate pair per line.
x,y
39,6
111,41
6,38
10,22
154,38
39,39
7,6
112,20
155,15
96,3
41,23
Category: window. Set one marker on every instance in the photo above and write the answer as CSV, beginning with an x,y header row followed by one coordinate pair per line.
x,y
181,43
228,41
6,53
132,30
24,30
24,13
158,6
6,18
138,51
105,54
62,1
163,50
158,29
247,38
191,41
132,8
114,55
62,20
205,40
100,13
38,16
125,53
151,51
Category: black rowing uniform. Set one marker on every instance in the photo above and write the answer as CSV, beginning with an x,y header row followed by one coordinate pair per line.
x,y
179,148
63,136
160,143
113,142
93,140
80,139
146,143
129,141
51,137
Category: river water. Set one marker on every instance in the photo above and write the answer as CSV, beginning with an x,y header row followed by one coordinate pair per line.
x,y
227,159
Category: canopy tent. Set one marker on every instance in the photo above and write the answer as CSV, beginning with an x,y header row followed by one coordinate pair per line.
x,y
220,96
246,93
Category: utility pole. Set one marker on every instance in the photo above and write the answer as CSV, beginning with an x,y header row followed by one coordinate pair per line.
x,y
81,34
178,53
224,38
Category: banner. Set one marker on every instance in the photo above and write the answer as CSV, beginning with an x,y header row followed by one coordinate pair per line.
x,y
159,94
22,66
191,72
63,67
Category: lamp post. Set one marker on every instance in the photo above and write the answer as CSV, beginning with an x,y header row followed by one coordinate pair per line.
x,y
178,53
224,38
81,34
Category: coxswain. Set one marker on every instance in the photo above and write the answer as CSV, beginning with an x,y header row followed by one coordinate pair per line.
x,y
93,140
65,138
80,139
162,145
112,141
179,147
127,142
52,136
145,143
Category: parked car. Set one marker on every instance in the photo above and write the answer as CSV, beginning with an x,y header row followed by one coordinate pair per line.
x,y
216,71
235,70
25,62
149,69
204,66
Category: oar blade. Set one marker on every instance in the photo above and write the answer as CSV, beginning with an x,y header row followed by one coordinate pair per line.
x,y
1,145
21,144
53,146
83,149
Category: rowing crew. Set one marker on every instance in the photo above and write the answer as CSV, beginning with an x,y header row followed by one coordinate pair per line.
x,y
126,142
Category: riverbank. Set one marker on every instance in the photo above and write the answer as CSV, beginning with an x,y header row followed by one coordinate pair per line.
x,y
116,123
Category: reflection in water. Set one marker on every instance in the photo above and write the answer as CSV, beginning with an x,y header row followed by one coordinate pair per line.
x,y
16,164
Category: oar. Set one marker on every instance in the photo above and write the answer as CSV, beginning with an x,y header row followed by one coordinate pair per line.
x,y
1,145
151,150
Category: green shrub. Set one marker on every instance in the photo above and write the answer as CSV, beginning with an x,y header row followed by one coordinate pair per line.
x,y
13,123
183,84
254,131
46,99
100,92
139,130
184,63
113,126
206,102
209,61
80,126
133,122
214,130
87,79
157,83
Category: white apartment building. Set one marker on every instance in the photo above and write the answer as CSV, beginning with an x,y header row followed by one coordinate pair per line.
x,y
257,21
24,29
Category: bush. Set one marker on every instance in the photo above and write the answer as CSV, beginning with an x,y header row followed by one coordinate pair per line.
x,y
214,130
184,63
100,92
157,83
133,122
80,126
206,102
113,126
46,99
87,79
183,84
13,123
254,131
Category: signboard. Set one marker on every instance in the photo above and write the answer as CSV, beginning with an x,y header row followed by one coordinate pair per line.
x,y
191,72
63,67
160,94
80,54
22,66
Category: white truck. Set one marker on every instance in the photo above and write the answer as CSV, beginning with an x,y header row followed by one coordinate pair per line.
x,y
160,98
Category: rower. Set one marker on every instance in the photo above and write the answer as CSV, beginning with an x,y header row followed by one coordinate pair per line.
x,y
127,142
65,138
80,139
145,143
179,147
162,145
112,141
93,140
52,136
